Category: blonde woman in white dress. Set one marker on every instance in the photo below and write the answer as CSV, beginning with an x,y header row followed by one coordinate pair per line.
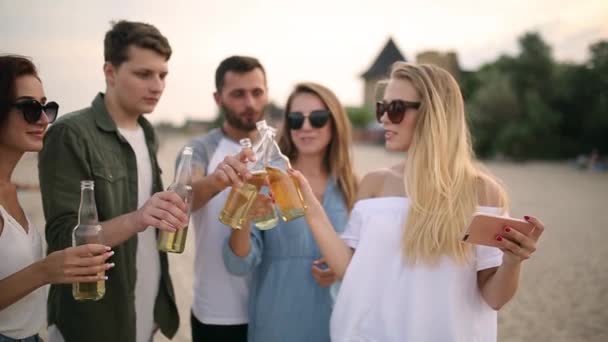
x,y
405,274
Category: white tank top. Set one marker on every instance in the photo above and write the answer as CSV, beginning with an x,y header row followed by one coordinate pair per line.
x,y
18,250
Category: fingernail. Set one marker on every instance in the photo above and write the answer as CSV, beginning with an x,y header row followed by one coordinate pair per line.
x,y
106,277
507,229
526,218
112,265
108,248
498,238
111,253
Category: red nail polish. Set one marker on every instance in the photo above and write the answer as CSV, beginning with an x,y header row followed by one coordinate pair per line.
x,y
507,229
527,217
498,238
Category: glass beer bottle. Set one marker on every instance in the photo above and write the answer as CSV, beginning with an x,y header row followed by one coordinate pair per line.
x,y
234,213
88,231
271,219
175,242
285,188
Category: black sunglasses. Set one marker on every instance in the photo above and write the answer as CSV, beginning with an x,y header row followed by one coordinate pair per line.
x,y
317,119
395,109
32,110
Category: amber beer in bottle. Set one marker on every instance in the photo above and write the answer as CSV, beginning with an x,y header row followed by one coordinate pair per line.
x,y
175,242
88,231
285,189
234,213
271,219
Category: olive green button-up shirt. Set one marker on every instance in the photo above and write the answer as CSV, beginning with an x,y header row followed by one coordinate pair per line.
x,y
86,145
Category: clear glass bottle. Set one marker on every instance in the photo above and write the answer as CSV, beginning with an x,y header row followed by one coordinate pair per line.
x,y
88,231
175,242
285,188
270,220
234,213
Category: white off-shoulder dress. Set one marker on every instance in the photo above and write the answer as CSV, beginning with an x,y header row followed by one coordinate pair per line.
x,y
384,299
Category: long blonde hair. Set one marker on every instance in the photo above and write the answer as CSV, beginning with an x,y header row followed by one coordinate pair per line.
x,y
442,180
338,159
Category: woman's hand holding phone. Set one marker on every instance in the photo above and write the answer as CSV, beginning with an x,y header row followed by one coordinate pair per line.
x,y
516,238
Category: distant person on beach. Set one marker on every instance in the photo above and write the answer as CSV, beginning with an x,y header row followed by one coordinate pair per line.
x,y
290,296
113,144
406,274
25,114
593,162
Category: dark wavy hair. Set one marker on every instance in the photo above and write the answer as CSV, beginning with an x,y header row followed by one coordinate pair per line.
x,y
11,68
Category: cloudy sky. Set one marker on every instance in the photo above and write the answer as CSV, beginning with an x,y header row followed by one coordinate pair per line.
x,y
327,41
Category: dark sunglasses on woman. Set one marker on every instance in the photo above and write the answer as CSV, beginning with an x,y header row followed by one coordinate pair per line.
x,y
395,109
32,110
317,119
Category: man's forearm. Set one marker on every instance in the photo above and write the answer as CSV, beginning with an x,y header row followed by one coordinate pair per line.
x,y
204,189
119,229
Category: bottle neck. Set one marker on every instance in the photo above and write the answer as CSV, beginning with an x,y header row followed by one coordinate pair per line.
x,y
184,170
87,215
273,151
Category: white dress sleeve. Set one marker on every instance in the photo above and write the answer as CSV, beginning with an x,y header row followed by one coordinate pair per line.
x,y
486,256
352,232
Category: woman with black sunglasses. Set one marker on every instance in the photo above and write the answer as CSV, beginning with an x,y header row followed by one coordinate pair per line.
x,y
290,296
24,272
406,274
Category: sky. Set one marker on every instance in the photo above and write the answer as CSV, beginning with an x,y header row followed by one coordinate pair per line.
x,y
327,41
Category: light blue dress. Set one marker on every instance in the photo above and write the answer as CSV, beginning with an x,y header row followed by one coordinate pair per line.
x,y
285,302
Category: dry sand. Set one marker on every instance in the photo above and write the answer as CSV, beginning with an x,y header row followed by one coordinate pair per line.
x,y
563,293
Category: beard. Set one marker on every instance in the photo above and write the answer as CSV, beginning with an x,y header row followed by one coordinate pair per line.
x,y
244,121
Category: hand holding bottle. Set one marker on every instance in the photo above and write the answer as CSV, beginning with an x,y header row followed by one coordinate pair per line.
x,y
82,264
263,206
306,190
164,210
175,241
232,171
305,187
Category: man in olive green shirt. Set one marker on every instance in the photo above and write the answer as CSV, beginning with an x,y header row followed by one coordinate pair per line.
x,y
114,145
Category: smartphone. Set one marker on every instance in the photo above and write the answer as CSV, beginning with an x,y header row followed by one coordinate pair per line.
x,y
485,227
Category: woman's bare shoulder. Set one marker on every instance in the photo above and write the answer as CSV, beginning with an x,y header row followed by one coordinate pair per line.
x,y
373,183
490,192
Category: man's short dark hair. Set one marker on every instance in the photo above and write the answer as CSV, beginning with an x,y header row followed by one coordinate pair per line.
x,y
237,64
125,33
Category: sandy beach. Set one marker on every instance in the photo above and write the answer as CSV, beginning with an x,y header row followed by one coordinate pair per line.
x,y
564,288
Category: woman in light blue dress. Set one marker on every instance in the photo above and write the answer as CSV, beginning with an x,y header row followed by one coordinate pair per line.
x,y
290,290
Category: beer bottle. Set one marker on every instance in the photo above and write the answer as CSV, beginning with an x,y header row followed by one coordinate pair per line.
x,y
175,242
88,231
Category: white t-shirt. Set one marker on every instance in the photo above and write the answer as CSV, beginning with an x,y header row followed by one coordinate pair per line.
x,y
384,299
148,261
18,250
220,298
